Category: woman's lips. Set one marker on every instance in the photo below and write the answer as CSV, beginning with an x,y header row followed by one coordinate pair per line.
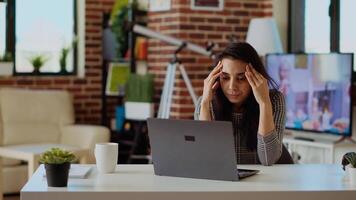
x,y
234,95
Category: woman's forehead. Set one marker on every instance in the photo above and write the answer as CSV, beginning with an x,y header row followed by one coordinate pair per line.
x,y
233,66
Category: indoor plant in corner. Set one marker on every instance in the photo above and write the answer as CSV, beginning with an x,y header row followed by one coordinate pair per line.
x,y
349,161
57,165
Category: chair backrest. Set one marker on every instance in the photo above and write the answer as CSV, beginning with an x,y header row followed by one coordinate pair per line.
x,y
33,116
285,158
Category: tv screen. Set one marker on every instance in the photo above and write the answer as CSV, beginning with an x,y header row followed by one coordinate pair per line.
x,y
317,90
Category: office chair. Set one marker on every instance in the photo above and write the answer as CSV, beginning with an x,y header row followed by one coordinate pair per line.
x,y
285,158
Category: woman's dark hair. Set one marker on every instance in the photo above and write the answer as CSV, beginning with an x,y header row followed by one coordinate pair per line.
x,y
223,108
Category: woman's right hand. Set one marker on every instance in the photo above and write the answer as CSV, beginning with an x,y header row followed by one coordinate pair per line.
x,y
210,83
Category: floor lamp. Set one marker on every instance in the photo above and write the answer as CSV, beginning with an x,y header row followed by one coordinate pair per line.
x,y
263,35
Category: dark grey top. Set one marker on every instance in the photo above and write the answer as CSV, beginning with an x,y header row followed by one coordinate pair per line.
x,y
269,148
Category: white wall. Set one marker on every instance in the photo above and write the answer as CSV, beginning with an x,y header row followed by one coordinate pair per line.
x,y
280,13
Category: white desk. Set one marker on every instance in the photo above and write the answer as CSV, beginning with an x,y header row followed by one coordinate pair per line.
x,y
291,182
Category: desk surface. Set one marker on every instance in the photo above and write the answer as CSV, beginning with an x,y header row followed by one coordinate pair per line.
x,y
138,181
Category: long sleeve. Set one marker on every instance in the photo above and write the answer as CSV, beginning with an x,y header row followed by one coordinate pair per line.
x,y
198,107
269,148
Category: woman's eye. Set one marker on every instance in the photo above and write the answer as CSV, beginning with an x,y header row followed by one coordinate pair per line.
x,y
240,78
225,78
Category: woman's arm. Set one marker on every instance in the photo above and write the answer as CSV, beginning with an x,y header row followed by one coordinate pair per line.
x,y
211,83
269,144
202,111
271,119
266,122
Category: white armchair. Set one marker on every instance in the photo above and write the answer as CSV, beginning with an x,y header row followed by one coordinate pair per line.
x,y
31,117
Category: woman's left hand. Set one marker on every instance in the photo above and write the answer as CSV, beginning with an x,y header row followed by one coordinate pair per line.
x,y
259,85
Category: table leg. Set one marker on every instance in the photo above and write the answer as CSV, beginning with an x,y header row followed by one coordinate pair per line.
x,y
1,182
32,166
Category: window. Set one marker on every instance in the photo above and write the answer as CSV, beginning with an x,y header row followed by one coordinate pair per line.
x,y
348,27
317,26
327,26
44,28
2,28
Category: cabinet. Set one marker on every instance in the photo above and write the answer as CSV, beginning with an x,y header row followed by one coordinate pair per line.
x,y
320,151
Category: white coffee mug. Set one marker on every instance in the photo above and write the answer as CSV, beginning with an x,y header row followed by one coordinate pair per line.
x,y
106,157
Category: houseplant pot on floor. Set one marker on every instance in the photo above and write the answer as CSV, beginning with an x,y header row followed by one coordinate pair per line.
x,y
57,165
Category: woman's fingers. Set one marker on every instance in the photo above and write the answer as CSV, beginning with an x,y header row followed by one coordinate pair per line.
x,y
257,77
216,69
252,72
214,77
250,79
216,85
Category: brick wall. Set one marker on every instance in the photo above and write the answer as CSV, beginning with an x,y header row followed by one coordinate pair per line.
x,y
87,91
194,26
197,27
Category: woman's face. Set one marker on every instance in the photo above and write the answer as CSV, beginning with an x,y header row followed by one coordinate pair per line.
x,y
233,81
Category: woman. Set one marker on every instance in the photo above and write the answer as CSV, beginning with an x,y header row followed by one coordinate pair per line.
x,y
237,90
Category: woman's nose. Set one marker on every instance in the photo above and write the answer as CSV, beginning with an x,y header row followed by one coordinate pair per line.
x,y
232,84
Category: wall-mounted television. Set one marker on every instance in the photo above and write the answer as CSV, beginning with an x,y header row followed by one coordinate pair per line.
x,y
317,90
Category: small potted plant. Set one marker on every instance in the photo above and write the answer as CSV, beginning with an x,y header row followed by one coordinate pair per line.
x,y
6,64
57,165
37,62
63,59
139,97
63,56
349,161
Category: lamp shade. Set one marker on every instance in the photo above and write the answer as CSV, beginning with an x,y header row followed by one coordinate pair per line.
x,y
263,35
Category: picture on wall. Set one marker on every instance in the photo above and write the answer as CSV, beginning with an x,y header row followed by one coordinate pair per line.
x,y
118,75
207,4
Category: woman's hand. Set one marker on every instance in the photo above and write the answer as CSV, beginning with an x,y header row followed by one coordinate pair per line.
x,y
210,84
259,85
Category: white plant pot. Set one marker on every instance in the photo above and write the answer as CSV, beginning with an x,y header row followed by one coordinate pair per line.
x,y
351,174
6,68
138,110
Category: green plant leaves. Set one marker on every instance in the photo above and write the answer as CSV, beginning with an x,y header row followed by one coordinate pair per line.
x,y
38,61
349,158
57,156
7,57
139,88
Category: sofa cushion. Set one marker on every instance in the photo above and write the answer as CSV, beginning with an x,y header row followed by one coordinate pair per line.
x,y
30,133
13,178
34,116
7,162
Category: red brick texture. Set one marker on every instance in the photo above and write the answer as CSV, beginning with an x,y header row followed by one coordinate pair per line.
x,y
182,22
197,27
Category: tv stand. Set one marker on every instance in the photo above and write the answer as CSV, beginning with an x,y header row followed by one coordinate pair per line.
x,y
343,138
304,138
318,150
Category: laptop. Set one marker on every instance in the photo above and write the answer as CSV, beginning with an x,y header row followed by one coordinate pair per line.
x,y
194,149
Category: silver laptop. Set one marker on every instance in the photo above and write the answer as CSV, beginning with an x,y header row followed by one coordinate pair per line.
x,y
194,149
